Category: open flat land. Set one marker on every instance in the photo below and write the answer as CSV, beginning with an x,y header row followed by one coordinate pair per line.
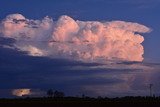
x,y
80,102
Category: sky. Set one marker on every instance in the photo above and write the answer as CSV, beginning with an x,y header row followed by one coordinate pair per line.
x,y
93,47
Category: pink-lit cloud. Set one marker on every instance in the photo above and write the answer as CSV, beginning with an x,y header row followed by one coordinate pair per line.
x,y
74,39
21,92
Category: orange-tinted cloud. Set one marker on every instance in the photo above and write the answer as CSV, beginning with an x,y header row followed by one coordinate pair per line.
x,y
21,92
78,40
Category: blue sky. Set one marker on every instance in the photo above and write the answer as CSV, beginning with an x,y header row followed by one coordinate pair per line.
x,y
18,70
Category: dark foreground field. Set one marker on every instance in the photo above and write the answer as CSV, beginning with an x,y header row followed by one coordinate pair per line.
x,y
81,102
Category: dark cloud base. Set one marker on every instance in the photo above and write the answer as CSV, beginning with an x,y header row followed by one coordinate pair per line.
x,y
18,70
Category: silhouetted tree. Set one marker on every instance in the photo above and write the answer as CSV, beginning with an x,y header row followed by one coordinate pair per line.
x,y
99,97
58,94
83,96
50,93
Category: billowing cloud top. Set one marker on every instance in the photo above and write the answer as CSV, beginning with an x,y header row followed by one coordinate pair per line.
x,y
78,40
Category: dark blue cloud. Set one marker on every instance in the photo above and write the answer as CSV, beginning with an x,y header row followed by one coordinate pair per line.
x,y
18,70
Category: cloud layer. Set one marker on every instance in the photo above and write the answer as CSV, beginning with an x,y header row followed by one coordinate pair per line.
x,y
74,39
74,77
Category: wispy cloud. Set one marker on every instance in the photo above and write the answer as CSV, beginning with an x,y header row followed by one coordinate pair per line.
x,y
142,4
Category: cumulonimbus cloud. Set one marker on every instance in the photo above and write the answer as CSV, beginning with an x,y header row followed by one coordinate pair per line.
x,y
74,39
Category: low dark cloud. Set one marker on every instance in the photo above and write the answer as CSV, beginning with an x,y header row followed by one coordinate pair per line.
x,y
18,71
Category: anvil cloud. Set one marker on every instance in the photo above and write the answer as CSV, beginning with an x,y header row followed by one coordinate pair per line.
x,y
74,39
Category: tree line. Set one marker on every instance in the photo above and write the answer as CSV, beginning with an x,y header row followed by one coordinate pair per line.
x,y
57,94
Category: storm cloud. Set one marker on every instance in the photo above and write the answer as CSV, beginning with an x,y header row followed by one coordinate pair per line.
x,y
88,41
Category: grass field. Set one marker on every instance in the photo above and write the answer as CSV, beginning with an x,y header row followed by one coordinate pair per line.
x,y
81,102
